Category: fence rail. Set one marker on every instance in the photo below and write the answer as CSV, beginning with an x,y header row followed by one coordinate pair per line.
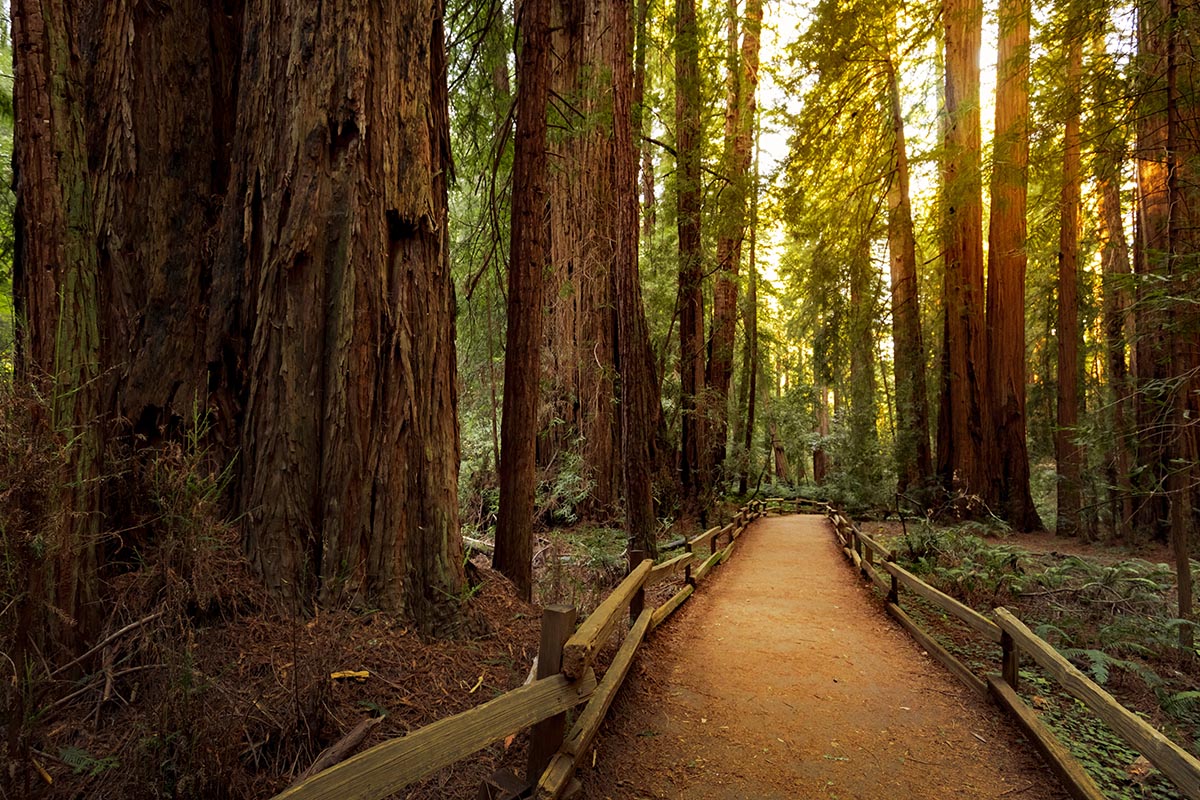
x,y
1014,638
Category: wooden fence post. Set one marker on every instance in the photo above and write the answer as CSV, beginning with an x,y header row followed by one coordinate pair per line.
x,y
639,598
1010,660
558,623
894,593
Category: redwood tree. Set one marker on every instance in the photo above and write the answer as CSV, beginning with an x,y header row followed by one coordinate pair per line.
x,y
1009,468
287,274
742,85
1067,452
691,298
961,444
514,527
914,463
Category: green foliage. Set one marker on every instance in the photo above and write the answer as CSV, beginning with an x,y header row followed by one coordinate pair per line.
x,y
82,762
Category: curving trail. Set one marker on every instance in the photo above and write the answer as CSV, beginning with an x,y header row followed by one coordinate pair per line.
x,y
782,678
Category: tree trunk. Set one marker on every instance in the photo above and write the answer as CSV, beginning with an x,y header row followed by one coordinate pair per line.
x,y
914,463
639,401
580,418
1114,249
1182,241
286,273
1067,453
1006,355
640,116
514,527
961,442
820,457
57,291
688,142
749,387
1152,352
742,83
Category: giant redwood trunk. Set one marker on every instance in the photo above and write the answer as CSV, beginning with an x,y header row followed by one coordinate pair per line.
x,y
914,463
691,297
742,85
961,437
286,273
1067,453
1007,259
578,421
514,527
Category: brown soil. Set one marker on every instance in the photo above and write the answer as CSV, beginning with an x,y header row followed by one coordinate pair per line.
x,y
782,678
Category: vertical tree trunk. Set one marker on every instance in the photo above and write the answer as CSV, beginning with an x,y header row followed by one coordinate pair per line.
x,y
1067,453
639,401
57,287
749,388
514,527
287,273
691,299
1108,161
350,437
820,457
1006,355
961,442
742,82
1182,194
580,418
639,118
914,463
1152,351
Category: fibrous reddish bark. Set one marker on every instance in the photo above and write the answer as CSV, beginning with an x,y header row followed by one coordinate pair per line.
x,y
961,441
742,86
691,297
914,462
514,527
1009,467
1067,452
285,274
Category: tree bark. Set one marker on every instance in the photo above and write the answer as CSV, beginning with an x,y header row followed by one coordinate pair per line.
x,y
691,299
639,400
1067,452
1009,467
914,462
285,274
1152,354
742,83
961,442
1114,253
749,386
513,555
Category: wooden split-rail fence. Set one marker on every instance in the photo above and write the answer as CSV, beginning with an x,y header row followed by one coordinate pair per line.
x,y
1013,639
565,679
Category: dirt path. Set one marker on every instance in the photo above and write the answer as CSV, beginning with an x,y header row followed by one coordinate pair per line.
x,y
782,678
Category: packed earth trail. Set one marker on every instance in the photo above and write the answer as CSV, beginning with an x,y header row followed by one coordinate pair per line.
x,y
782,678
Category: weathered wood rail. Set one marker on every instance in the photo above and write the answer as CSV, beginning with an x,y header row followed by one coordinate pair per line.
x,y
565,679
878,564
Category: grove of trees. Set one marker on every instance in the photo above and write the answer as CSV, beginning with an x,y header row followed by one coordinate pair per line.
x,y
415,268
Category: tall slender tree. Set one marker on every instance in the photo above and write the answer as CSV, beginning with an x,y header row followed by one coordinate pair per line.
x,y
514,527
691,297
1067,452
914,462
961,457
1007,259
742,86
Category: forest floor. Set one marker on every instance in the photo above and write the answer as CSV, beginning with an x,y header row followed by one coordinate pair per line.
x,y
782,678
